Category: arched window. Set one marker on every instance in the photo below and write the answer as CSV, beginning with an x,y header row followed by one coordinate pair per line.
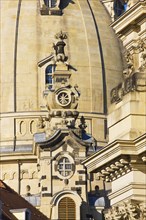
x,y
67,209
48,77
50,3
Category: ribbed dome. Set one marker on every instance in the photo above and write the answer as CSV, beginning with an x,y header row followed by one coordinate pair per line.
x,y
27,38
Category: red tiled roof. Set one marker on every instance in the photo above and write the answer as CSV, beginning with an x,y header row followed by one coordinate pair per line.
x,y
6,214
12,200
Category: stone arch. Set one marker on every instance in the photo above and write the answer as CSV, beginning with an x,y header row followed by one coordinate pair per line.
x,y
71,196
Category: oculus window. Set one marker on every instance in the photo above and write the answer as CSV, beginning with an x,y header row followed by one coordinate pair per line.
x,y
64,167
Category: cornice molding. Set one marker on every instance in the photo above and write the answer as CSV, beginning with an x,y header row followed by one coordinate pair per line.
x,y
127,19
131,186
116,151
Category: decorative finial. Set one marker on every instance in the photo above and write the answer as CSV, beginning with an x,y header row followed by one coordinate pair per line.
x,y
59,47
61,35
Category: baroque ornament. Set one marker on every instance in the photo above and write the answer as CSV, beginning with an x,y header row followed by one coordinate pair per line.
x,y
59,47
133,80
139,46
130,211
143,62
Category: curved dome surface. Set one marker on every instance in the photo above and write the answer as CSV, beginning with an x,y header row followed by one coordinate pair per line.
x,y
27,38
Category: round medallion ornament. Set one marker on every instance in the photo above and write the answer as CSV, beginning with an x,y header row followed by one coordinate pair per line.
x,y
63,98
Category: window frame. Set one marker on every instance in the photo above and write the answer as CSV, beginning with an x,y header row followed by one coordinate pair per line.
x,y
71,162
49,74
64,171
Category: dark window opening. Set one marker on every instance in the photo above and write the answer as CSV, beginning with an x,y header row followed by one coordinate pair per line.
x,y
48,76
120,6
27,215
50,3
51,7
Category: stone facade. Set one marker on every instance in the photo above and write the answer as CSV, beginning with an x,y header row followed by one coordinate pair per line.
x,y
71,94
121,164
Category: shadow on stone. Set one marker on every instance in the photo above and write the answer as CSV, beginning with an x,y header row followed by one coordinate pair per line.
x,y
65,3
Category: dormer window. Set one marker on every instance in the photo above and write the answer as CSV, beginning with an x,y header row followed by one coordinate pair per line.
x,y
50,3
50,7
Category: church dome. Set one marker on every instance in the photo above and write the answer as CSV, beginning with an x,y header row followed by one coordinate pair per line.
x,y
27,37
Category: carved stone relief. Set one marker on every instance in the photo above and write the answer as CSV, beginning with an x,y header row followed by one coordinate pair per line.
x,y
8,175
59,47
127,211
28,105
129,58
143,62
134,78
134,55
139,46
136,82
58,119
